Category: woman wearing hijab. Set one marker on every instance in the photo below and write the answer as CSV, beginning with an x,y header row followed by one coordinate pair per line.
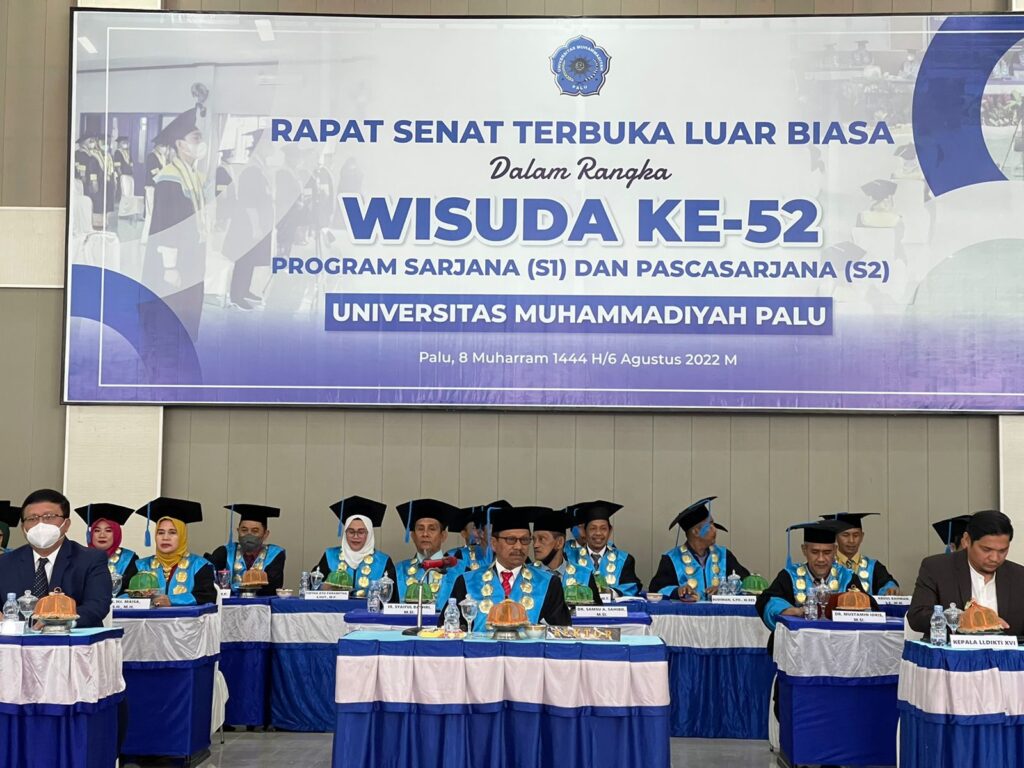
x,y
104,523
185,578
357,517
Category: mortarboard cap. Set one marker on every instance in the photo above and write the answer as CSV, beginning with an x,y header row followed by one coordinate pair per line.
x,y
90,513
697,512
431,509
9,514
879,189
852,519
951,529
257,513
359,505
513,518
462,518
815,532
178,128
546,519
589,511
187,512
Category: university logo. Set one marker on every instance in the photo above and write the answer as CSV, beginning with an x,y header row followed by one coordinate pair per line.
x,y
580,67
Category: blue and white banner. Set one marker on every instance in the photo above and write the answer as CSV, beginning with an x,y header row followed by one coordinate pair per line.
x,y
653,213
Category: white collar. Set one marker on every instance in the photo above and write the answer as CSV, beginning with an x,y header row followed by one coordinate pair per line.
x,y
502,569
50,558
599,554
978,576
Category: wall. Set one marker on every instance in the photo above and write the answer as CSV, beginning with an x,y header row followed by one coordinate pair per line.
x,y
769,471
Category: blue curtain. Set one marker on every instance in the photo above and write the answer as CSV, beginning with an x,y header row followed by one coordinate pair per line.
x,y
302,686
246,668
838,721
720,694
925,743
515,736
72,740
169,709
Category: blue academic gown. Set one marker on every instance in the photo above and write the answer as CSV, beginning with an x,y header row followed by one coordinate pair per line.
x,y
472,557
183,579
617,564
868,569
776,598
529,590
718,563
372,568
237,564
409,572
119,561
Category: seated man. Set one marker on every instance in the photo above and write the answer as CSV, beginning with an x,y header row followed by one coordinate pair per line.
x,y
426,522
696,570
951,531
787,594
511,577
615,567
252,549
978,572
871,573
50,560
549,550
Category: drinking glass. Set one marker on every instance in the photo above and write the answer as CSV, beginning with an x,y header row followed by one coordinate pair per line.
x,y
115,583
470,609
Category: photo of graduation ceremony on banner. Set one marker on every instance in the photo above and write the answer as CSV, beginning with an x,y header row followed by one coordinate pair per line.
x,y
500,384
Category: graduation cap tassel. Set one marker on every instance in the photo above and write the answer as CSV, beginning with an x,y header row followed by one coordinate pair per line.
x,y
149,537
231,534
408,522
487,528
949,538
341,517
88,526
789,556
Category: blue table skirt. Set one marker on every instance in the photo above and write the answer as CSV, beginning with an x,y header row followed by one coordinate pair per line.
x,y
169,708
82,737
838,721
927,742
246,668
302,686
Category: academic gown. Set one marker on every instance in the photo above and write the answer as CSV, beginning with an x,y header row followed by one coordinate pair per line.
x,y
154,164
380,565
271,558
485,587
871,571
572,574
618,568
191,582
672,571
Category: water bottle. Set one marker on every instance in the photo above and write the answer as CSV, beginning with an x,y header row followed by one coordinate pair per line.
x,y
373,597
11,608
938,627
811,604
451,617
734,584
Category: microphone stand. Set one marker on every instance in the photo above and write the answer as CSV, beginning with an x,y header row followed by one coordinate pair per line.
x,y
419,602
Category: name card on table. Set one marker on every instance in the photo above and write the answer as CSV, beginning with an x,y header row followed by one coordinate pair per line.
x,y
602,611
859,617
131,604
330,594
407,609
892,599
224,593
983,641
12,628
734,599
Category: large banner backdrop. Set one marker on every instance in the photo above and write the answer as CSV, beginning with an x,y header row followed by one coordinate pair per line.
x,y
804,213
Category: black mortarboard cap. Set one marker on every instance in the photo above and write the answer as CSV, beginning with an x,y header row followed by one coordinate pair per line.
x,y
554,520
480,518
879,189
187,512
696,513
90,513
815,532
257,513
512,518
852,519
951,529
462,518
418,509
589,511
178,128
9,514
359,505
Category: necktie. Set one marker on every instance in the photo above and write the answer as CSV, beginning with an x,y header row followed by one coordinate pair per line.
x,y
506,582
41,584
597,561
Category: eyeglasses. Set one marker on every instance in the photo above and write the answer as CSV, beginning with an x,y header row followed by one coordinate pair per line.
x,y
48,518
510,540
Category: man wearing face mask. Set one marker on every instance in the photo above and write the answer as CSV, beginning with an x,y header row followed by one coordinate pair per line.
x,y
252,549
50,561
174,266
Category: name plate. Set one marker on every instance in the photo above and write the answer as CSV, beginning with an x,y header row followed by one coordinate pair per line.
x,y
131,604
893,599
224,593
407,609
602,611
12,628
331,594
859,617
734,599
983,641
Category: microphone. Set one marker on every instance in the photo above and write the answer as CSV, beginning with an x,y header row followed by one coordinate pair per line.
x,y
441,562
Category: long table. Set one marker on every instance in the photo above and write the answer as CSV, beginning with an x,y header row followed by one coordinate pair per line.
x,y
403,701
59,697
961,707
837,691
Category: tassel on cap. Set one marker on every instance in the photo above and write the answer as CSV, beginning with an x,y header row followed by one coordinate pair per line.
x,y
88,526
341,517
949,538
408,521
231,531
149,537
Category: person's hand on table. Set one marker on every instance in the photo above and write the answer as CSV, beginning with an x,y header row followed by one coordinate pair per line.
x,y
793,612
688,594
710,592
161,601
1003,624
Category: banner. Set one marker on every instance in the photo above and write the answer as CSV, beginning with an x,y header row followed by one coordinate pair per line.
x,y
796,213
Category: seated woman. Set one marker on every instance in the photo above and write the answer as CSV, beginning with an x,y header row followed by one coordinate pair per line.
x,y
358,555
185,578
104,532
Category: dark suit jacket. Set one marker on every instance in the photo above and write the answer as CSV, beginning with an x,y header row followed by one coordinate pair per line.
x,y
945,579
80,572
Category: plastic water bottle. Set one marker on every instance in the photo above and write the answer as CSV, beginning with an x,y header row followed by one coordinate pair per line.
x,y
811,604
11,608
451,617
938,627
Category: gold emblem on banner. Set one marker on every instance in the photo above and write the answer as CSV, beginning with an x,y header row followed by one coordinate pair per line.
x,y
833,585
582,562
610,568
368,559
687,559
182,577
570,582
183,563
612,557
527,573
365,570
527,588
692,583
412,570
179,590
360,593
489,576
716,570
863,574
570,569
527,602
610,579
410,582
714,582
690,571
801,584
801,597
801,571
487,590
363,581
485,606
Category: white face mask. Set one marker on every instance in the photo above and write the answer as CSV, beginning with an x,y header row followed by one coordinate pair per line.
x,y
201,149
43,535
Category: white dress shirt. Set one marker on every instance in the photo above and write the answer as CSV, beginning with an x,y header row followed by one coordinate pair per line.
x,y
515,573
51,559
982,592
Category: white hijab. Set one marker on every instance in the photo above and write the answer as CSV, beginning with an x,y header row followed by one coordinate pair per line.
x,y
353,557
